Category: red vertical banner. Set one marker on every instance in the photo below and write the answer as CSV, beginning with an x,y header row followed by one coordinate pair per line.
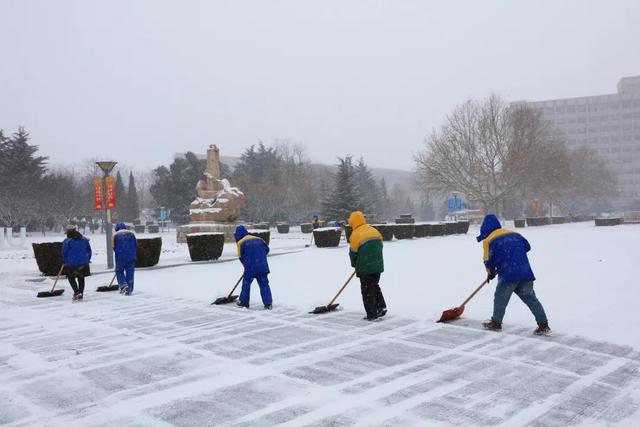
x,y
111,192
97,194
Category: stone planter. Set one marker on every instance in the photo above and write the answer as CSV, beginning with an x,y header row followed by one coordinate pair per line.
x,y
48,257
153,228
437,229
535,222
463,227
306,228
421,230
283,228
601,222
148,223
519,223
263,234
327,237
205,246
558,220
139,228
148,251
347,231
136,222
386,230
261,226
403,231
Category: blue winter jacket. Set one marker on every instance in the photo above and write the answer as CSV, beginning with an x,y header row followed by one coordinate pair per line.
x,y
76,252
505,252
125,244
252,251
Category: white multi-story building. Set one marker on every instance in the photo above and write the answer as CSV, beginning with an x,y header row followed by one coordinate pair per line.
x,y
609,124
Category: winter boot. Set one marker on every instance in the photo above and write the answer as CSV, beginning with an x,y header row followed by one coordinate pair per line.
x,y
542,329
242,304
492,325
382,312
75,297
123,289
268,306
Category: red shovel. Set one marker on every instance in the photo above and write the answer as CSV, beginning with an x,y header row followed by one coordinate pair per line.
x,y
454,313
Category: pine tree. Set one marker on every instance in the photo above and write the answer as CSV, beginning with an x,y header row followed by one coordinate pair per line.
x,y
345,198
121,198
133,205
366,187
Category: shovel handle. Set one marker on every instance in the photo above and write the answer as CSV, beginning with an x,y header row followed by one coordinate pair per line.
x,y
112,279
234,288
474,292
57,277
342,288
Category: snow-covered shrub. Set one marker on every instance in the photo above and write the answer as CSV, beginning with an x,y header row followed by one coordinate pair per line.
x,y
463,227
386,230
327,237
421,230
48,257
283,228
263,234
148,251
403,231
205,246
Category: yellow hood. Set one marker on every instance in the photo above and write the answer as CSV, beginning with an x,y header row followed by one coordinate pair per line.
x,y
356,219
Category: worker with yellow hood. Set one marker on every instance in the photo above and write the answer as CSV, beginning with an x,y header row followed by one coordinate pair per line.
x,y
365,252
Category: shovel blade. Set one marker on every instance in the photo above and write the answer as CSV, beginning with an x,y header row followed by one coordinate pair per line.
x,y
107,288
324,309
46,294
225,300
451,314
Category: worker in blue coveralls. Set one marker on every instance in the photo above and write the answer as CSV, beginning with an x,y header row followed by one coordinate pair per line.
x,y
253,252
505,255
125,247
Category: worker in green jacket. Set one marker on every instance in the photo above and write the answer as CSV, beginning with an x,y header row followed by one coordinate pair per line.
x,y
365,252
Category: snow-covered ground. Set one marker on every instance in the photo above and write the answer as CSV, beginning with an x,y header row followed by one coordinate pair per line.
x,y
164,356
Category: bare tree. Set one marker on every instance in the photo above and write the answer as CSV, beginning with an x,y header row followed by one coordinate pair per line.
x,y
491,152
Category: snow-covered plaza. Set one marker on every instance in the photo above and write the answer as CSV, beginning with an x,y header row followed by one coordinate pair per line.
x,y
165,356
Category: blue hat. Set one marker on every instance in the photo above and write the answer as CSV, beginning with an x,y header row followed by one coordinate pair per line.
x,y
490,223
241,231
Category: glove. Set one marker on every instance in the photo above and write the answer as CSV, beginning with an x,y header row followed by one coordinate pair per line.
x,y
491,275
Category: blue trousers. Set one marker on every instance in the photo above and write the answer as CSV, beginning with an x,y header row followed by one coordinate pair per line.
x,y
124,274
263,282
524,290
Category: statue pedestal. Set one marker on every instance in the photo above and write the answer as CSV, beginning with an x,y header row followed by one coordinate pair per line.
x,y
206,227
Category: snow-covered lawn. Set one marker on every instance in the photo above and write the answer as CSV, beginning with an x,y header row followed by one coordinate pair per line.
x,y
165,357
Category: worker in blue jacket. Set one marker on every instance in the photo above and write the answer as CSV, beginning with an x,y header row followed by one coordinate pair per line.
x,y
76,256
125,247
505,255
253,252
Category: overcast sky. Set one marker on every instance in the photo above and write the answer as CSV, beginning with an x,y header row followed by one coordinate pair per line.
x,y
140,80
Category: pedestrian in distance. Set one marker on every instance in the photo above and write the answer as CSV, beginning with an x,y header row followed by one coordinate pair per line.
x,y
76,256
365,253
253,252
505,255
315,222
125,247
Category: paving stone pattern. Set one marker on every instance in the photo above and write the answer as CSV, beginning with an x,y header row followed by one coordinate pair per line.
x,y
149,360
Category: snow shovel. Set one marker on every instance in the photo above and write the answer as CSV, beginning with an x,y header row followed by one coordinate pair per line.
x,y
454,313
331,306
310,241
53,292
229,298
110,287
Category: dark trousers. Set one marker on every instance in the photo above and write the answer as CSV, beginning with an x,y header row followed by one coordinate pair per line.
x,y
263,283
78,288
371,294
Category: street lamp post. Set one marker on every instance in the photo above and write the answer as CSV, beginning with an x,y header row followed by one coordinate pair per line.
x,y
107,166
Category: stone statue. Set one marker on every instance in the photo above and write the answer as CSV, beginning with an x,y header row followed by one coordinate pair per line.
x,y
217,200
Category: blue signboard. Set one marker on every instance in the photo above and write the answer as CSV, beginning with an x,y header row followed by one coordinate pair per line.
x,y
163,214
